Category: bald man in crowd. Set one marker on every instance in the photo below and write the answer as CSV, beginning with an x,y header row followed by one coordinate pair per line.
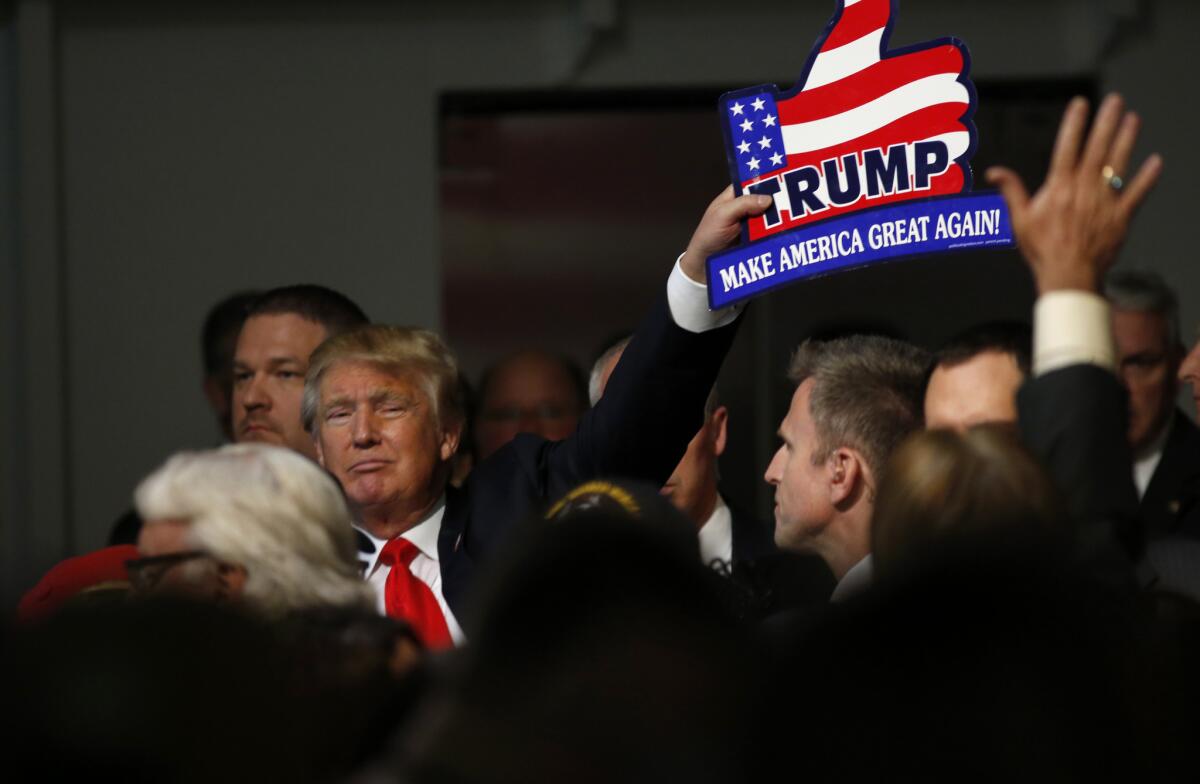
x,y
528,392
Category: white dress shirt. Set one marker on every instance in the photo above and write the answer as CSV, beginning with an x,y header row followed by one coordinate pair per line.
x,y
688,304
716,535
425,566
688,301
1147,461
857,580
1071,328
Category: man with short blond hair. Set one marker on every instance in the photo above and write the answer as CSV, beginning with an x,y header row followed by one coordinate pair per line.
x,y
382,418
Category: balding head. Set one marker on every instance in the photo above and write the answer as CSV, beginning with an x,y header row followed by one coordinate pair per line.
x,y
528,392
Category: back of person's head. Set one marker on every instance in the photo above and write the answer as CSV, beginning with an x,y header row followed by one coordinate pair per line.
x,y
600,650
1014,338
269,510
943,486
400,350
318,304
602,367
606,362
218,337
163,691
992,666
1145,291
866,393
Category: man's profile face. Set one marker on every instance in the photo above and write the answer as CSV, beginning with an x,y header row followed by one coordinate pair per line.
x,y
1189,372
802,493
377,432
529,393
1147,364
692,486
983,389
268,379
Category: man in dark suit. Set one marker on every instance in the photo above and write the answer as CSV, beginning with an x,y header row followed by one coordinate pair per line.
x,y
1165,443
731,540
381,405
1070,232
726,534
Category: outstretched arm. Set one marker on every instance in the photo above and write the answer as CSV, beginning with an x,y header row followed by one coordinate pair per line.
x,y
1073,413
654,402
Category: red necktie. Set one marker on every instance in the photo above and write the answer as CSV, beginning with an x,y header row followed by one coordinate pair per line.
x,y
409,599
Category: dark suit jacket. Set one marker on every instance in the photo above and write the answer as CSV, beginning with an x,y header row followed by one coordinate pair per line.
x,y
1170,506
770,581
752,538
1074,420
652,407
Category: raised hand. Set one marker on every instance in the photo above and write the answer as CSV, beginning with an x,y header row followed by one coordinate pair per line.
x,y
1071,230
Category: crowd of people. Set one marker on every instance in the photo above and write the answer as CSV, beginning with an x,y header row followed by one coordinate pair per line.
x,y
984,561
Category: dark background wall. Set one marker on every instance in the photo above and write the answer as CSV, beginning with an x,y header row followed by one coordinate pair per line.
x,y
167,153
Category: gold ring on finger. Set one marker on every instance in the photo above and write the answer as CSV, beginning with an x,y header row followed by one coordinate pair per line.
x,y
1111,178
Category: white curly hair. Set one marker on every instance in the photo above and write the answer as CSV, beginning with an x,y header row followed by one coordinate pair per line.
x,y
269,510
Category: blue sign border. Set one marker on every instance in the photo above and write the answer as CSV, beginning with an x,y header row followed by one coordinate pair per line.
x,y
917,209
967,118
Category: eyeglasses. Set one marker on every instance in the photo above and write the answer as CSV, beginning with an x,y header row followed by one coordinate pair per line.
x,y
547,412
146,573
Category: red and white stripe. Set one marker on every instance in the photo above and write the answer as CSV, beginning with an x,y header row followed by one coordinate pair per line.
x,y
854,100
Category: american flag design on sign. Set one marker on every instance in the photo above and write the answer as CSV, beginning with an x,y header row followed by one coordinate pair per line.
x,y
864,127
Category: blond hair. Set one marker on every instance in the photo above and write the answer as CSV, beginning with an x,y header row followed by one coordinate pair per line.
x,y
943,485
401,350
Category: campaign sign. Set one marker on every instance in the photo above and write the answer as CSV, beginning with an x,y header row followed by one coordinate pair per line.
x,y
866,159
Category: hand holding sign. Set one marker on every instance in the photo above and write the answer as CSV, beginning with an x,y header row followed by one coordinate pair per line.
x,y
865,160
719,228
1071,229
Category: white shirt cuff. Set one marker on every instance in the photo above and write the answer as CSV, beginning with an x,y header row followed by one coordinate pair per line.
x,y
1072,328
688,301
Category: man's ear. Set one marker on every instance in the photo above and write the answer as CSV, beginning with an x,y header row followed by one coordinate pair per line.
x,y
845,474
317,445
231,581
450,438
717,429
216,394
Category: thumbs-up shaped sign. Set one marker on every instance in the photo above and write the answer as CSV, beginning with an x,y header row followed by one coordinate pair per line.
x,y
863,127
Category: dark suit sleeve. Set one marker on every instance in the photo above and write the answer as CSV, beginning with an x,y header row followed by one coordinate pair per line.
x,y
652,407
1074,419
